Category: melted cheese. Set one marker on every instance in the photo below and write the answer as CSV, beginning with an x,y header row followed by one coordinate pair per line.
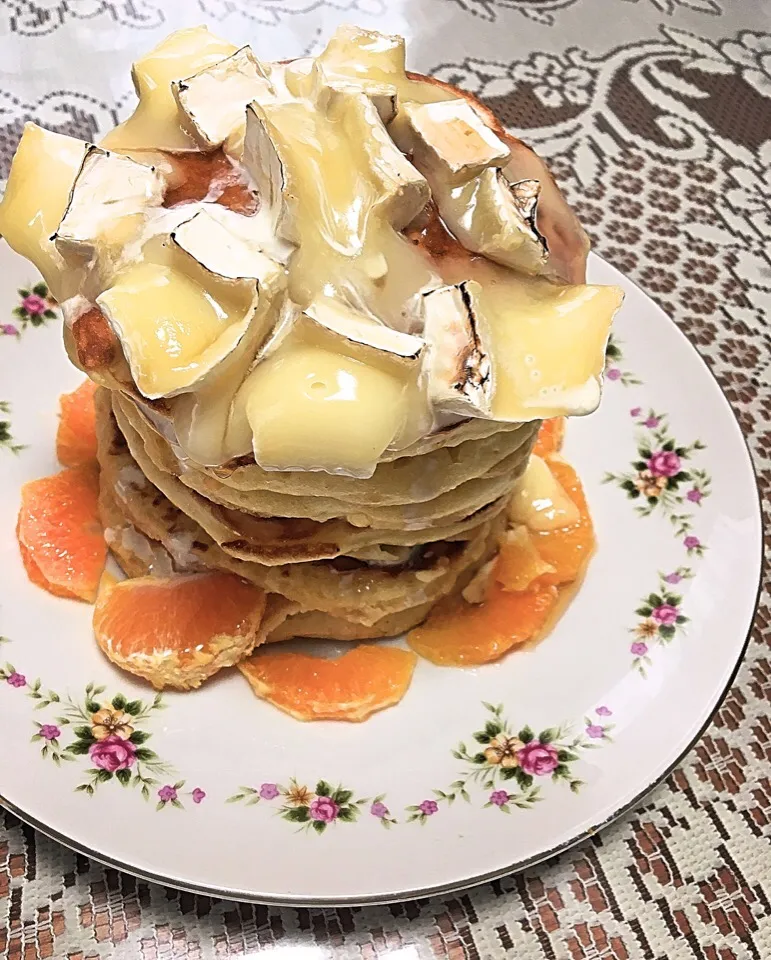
x,y
215,99
313,409
157,122
539,501
546,341
365,56
36,196
172,329
342,190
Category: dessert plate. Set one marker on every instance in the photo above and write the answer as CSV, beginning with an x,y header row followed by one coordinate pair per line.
x,y
477,772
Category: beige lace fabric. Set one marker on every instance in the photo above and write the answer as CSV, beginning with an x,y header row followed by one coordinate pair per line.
x,y
656,118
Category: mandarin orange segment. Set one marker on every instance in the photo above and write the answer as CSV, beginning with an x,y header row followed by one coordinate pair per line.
x,y
353,687
177,631
550,437
59,533
35,576
462,634
519,564
567,549
76,435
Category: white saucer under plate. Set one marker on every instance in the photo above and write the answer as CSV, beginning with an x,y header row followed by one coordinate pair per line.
x,y
477,772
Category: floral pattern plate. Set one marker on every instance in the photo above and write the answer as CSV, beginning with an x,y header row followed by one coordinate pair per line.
x,y
477,772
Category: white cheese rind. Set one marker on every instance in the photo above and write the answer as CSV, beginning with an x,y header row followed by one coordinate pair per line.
x,y
360,336
450,140
108,204
215,99
459,369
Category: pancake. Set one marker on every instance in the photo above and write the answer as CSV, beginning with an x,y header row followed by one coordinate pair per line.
x,y
344,588
276,540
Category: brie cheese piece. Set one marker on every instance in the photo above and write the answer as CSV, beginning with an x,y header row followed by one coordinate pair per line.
x,y
459,368
157,122
493,217
333,183
547,346
108,207
234,258
178,320
368,61
338,325
215,99
448,140
312,408
405,190
364,56
36,196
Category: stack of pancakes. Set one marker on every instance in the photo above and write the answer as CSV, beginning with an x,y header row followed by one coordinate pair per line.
x,y
352,558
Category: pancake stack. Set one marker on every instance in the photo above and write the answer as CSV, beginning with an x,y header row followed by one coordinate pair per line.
x,y
253,224
353,558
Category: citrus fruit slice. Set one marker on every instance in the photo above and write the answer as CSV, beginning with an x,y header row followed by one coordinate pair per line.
x,y
466,635
519,564
567,549
177,631
76,435
59,533
353,687
550,437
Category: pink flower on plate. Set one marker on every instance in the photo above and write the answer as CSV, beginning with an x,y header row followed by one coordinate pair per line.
x,y
595,732
538,758
49,731
499,797
428,807
639,649
603,712
664,463
379,810
198,795
613,373
269,791
652,422
9,330
34,305
167,794
324,809
691,543
673,578
694,496
666,614
635,411
112,753
16,679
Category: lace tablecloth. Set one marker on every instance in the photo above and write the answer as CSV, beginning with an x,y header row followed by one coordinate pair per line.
x,y
656,118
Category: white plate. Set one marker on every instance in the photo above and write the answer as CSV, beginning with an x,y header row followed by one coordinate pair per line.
x,y
621,707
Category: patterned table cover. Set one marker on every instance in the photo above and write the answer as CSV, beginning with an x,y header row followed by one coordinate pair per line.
x,y
656,117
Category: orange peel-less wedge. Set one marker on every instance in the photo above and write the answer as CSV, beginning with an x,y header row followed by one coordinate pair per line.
x,y
519,564
550,437
177,631
566,549
462,634
76,435
352,687
59,533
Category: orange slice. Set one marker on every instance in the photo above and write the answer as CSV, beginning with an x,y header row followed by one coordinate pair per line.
x,y
462,634
567,549
519,564
353,687
76,436
550,437
59,533
177,631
